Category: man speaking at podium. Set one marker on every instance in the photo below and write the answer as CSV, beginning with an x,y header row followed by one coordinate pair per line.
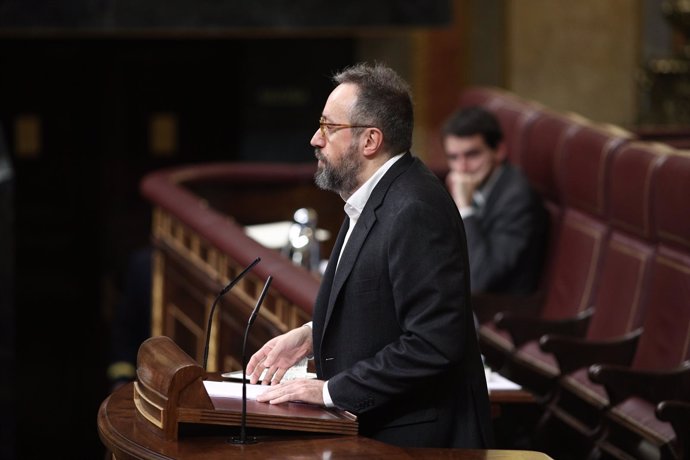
x,y
392,335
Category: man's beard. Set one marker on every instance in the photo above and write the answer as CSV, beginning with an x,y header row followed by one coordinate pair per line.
x,y
342,178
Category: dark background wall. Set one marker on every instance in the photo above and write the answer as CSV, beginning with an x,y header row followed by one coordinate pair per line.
x,y
7,346
209,14
82,88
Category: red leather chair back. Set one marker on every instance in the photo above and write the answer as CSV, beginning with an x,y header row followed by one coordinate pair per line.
x,y
665,342
623,281
515,117
583,167
542,142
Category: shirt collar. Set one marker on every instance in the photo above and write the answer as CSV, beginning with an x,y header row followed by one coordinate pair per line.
x,y
355,204
481,195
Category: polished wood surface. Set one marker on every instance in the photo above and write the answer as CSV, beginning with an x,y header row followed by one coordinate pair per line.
x,y
128,437
499,397
170,391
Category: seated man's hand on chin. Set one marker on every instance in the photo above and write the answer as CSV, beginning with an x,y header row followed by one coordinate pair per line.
x,y
298,390
462,185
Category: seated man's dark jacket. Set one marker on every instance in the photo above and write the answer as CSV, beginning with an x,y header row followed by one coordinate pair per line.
x,y
507,237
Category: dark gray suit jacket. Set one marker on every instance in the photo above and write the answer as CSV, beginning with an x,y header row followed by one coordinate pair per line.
x,y
507,239
393,329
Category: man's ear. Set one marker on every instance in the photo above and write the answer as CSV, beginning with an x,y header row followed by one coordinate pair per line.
x,y
373,141
501,152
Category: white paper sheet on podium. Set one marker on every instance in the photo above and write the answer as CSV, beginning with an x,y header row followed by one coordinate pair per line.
x,y
232,389
496,381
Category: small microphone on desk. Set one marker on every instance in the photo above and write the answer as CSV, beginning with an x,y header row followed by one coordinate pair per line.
x,y
222,292
242,439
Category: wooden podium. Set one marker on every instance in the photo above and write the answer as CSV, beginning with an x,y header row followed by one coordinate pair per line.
x,y
169,391
127,437
143,420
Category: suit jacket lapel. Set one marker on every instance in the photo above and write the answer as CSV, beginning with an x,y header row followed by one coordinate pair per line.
x,y
361,231
322,298
347,260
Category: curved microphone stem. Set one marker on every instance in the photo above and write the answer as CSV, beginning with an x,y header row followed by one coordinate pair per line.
x,y
208,329
222,292
243,424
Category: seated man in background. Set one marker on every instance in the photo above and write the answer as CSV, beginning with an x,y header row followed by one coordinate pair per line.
x,y
505,220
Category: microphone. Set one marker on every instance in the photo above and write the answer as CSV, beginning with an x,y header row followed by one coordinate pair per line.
x,y
222,292
242,439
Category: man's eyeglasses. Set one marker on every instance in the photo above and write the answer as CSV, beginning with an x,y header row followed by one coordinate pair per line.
x,y
326,127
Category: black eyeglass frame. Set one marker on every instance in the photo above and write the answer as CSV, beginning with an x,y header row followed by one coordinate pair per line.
x,y
323,124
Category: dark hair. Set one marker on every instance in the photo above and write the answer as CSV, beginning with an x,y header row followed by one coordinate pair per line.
x,y
384,101
474,120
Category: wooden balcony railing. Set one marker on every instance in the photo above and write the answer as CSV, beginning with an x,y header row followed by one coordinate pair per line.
x,y
199,214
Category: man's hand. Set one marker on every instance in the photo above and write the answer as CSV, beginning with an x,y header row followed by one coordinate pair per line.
x,y
462,185
279,354
303,390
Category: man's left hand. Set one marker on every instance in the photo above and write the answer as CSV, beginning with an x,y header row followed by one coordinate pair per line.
x,y
303,390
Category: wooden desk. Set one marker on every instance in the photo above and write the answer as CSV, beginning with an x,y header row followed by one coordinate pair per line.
x,y
515,413
502,398
127,437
